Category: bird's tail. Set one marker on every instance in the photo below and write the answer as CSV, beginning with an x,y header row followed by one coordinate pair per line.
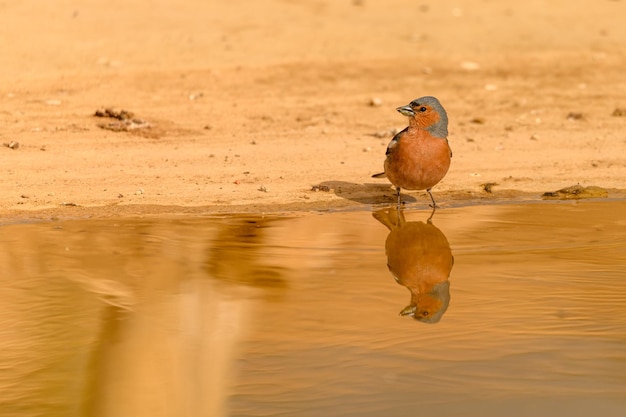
x,y
381,175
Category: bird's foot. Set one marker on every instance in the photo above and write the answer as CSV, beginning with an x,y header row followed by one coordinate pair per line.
x,y
432,213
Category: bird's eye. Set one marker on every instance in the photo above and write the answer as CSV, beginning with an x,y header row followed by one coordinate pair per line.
x,y
423,109
424,313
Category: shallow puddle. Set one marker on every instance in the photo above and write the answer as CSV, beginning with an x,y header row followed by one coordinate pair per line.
x,y
508,310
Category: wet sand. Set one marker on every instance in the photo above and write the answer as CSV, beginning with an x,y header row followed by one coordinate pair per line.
x,y
246,107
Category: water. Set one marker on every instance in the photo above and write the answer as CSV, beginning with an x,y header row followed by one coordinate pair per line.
x,y
522,312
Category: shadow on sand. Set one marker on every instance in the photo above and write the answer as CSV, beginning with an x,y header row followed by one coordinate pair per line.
x,y
368,193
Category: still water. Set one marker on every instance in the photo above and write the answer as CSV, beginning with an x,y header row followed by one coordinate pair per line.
x,y
500,310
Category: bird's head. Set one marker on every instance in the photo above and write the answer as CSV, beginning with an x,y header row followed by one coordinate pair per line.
x,y
429,307
428,114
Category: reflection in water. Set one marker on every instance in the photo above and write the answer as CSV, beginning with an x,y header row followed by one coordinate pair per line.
x,y
420,259
138,318
235,254
275,316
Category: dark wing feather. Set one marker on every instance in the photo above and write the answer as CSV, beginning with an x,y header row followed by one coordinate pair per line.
x,y
395,140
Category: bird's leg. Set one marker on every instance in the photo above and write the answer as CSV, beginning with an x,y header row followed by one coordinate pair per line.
x,y
401,219
399,200
433,205
430,219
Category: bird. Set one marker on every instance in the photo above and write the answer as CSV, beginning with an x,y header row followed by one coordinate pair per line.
x,y
419,156
419,258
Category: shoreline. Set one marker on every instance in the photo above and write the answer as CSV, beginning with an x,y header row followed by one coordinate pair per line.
x,y
412,203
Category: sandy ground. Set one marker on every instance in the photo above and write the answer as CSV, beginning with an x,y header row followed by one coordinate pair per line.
x,y
251,103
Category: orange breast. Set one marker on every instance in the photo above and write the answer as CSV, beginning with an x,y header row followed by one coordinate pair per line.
x,y
418,161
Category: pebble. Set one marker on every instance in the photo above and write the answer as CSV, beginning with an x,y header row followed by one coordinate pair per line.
x,y
574,116
376,102
470,66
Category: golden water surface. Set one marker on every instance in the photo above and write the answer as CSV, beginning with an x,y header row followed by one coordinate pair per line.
x,y
511,310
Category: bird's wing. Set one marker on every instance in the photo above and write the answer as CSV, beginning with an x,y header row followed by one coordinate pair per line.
x,y
390,147
395,140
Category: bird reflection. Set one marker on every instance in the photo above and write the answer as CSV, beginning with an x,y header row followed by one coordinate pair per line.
x,y
420,259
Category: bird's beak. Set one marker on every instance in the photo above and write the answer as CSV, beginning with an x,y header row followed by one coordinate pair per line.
x,y
409,310
406,110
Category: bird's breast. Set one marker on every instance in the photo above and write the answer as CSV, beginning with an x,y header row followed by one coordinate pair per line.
x,y
418,161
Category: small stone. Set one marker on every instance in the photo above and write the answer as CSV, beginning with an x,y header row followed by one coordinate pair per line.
x,y
139,191
574,116
576,192
262,188
487,187
376,102
385,133
470,66
618,112
367,149
380,134
320,187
